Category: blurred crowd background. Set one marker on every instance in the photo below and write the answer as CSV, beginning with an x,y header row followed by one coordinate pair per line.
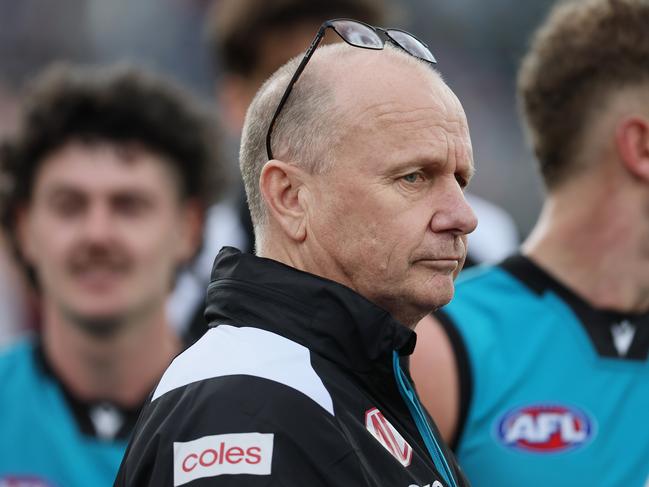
x,y
478,46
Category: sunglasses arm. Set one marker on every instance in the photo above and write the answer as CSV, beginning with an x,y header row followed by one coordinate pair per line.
x,y
307,55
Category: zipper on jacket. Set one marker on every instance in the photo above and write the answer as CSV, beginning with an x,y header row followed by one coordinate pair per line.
x,y
417,413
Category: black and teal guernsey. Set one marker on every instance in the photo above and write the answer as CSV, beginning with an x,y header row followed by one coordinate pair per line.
x,y
49,437
554,392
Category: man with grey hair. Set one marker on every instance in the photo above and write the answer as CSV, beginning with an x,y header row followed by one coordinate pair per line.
x,y
354,167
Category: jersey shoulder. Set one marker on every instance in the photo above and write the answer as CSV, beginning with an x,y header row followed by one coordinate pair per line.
x,y
227,356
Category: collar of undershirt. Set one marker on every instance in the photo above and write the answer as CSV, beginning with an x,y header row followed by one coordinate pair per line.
x,y
101,418
599,323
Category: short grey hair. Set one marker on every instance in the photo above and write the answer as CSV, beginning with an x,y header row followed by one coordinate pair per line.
x,y
304,133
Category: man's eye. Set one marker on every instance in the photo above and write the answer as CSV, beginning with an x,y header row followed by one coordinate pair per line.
x,y
413,177
67,206
130,205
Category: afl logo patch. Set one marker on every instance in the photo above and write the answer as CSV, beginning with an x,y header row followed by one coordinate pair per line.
x,y
545,428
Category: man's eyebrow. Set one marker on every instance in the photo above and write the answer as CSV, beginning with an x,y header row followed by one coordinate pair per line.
x,y
413,164
466,169
60,188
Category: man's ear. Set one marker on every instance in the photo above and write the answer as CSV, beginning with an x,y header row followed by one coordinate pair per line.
x,y
282,187
632,142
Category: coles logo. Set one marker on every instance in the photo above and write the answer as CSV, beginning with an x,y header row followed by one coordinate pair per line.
x,y
235,453
545,428
388,436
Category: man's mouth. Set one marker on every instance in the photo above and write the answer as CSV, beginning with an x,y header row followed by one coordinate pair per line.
x,y
443,264
98,277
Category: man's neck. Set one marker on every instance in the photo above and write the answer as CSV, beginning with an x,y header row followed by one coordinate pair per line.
x,y
121,368
599,249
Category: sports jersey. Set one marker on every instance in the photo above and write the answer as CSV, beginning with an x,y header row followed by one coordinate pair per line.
x,y
48,438
553,391
298,382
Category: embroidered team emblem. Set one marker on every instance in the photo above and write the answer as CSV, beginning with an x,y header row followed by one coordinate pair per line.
x,y
107,421
623,334
544,428
388,436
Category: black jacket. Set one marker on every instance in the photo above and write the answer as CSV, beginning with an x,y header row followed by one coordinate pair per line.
x,y
293,385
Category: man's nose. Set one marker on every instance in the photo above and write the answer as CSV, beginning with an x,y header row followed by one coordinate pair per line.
x,y
98,225
453,213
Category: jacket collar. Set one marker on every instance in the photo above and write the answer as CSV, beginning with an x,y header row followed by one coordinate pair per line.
x,y
324,316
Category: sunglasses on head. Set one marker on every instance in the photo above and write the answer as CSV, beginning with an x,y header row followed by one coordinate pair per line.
x,y
357,34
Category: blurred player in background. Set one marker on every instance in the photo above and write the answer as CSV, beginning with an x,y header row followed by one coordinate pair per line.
x,y
27,44
106,183
538,370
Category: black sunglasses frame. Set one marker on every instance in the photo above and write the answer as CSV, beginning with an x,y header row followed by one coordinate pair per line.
x,y
311,49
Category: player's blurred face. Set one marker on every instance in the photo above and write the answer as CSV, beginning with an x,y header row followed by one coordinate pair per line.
x,y
391,213
105,231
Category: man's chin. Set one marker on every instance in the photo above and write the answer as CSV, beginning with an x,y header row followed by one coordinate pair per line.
x,y
409,310
439,295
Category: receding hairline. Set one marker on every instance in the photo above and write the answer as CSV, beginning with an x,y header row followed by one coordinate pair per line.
x,y
341,60
337,56
343,57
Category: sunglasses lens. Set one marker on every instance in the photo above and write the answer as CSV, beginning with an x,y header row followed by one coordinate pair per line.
x,y
357,34
412,45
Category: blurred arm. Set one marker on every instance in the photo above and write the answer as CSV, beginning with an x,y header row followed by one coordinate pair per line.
x,y
435,372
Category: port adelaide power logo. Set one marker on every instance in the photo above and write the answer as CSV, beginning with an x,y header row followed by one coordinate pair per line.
x,y
545,428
